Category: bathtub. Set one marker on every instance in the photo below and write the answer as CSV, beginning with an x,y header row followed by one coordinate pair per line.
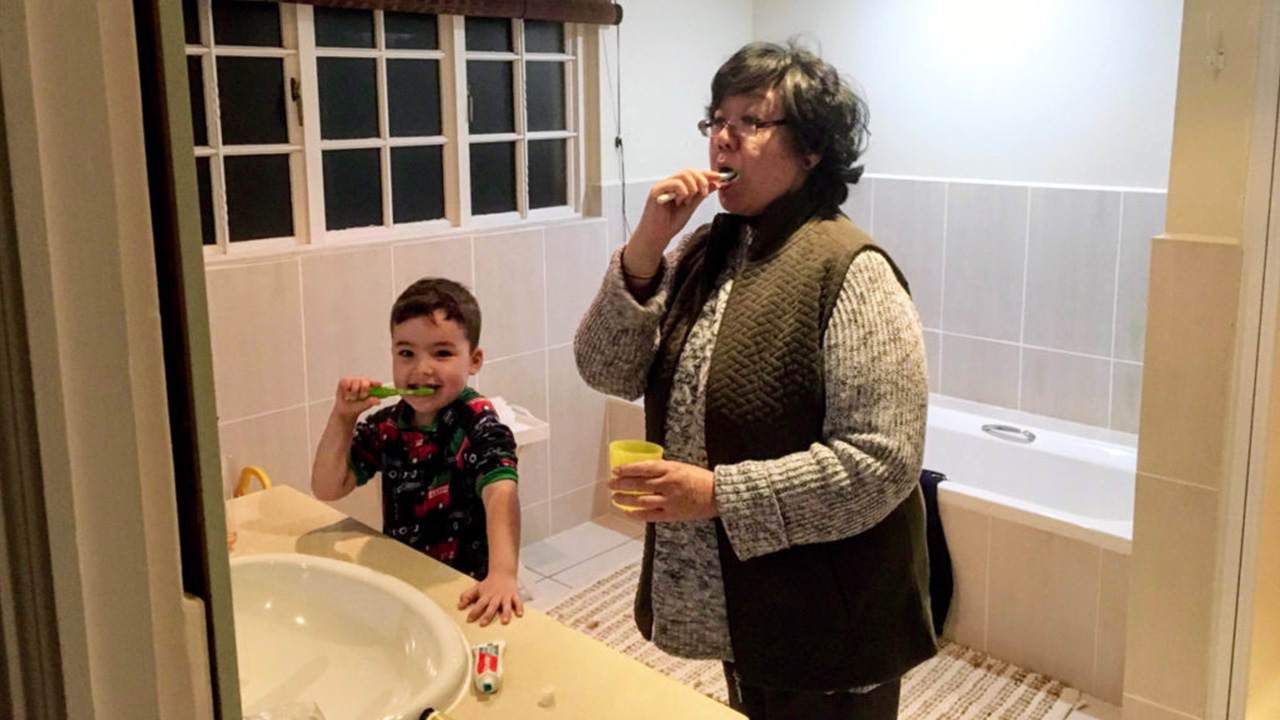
x,y
1070,485
1039,536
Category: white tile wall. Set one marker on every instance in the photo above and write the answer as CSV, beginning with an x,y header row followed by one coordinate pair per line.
x,y
343,296
255,328
1113,613
1142,219
284,329
511,288
932,351
1067,386
1041,601
1072,246
578,431
909,223
535,524
858,205
520,379
986,244
576,261
447,258
980,370
968,535
1054,270
1126,395
274,441
1169,625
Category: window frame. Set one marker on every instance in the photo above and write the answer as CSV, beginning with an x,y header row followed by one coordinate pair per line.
x,y
306,146
209,52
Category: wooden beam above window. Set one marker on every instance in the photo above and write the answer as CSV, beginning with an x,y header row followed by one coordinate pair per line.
x,y
600,12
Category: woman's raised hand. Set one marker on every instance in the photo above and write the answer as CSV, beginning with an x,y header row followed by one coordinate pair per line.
x,y
661,221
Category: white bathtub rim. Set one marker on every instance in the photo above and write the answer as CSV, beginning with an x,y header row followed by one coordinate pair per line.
x,y
1047,442
1035,422
1113,535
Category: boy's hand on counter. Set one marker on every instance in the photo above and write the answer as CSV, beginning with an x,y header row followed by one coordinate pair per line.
x,y
498,595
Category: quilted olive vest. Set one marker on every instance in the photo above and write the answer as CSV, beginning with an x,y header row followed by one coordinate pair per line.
x,y
827,616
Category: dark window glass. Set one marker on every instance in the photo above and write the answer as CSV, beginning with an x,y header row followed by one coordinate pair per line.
x,y
251,91
413,97
338,27
348,97
545,84
246,23
489,34
191,21
492,107
352,188
259,203
195,84
204,188
548,181
543,37
493,178
411,31
417,183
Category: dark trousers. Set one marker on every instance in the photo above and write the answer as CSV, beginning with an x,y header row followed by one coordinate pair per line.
x,y
759,703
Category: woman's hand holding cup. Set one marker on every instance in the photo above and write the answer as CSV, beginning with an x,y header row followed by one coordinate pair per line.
x,y
649,488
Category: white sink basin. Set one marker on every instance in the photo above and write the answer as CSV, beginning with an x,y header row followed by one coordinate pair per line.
x,y
360,644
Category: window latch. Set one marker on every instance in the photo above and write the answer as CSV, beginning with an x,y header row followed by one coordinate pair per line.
x,y
295,92
471,108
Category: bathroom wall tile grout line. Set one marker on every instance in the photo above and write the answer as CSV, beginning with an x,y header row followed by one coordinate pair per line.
x,y
871,215
1115,308
942,289
1041,348
986,590
1175,481
516,356
1097,627
267,413
965,181
546,374
306,376
1159,706
1022,305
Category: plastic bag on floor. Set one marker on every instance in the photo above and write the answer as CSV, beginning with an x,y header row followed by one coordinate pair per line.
x,y
291,711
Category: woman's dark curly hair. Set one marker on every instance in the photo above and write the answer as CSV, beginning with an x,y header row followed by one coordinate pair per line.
x,y
826,117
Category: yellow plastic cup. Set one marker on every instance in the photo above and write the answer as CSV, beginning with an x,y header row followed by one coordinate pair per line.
x,y
623,452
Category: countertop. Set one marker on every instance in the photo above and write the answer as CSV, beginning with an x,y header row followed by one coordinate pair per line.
x,y
591,680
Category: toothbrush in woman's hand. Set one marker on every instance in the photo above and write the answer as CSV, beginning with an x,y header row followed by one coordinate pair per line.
x,y
725,177
384,391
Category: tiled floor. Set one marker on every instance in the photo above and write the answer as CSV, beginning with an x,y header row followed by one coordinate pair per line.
x,y
577,557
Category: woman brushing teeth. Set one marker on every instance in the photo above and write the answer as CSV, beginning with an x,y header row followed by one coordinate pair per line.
x,y
782,368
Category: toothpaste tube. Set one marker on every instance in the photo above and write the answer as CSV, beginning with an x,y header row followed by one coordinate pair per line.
x,y
488,667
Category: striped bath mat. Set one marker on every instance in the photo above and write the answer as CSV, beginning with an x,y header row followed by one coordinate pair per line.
x,y
958,684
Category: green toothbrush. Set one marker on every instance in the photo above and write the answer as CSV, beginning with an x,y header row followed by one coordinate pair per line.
x,y
385,391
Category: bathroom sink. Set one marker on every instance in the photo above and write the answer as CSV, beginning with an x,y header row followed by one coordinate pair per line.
x,y
360,644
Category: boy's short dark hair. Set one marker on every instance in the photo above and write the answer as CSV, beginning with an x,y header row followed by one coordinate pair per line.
x,y
428,295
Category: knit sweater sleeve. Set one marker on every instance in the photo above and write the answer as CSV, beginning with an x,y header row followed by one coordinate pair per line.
x,y
617,338
877,394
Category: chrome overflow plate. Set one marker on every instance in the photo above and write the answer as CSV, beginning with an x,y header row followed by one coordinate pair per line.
x,y
1009,433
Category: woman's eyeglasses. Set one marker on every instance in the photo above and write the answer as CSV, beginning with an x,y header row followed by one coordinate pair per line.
x,y
746,127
